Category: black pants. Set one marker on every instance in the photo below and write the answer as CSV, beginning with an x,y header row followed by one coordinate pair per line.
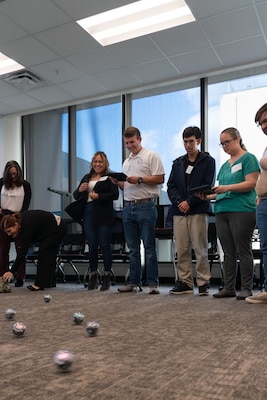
x,y
48,249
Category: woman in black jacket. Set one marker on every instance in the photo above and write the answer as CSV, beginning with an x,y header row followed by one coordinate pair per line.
x,y
15,196
36,226
98,216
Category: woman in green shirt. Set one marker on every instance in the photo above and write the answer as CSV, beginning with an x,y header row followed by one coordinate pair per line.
x,y
234,210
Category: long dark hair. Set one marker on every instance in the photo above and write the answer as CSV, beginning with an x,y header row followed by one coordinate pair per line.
x,y
234,133
7,177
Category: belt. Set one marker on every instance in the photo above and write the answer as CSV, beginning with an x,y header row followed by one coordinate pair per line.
x,y
139,201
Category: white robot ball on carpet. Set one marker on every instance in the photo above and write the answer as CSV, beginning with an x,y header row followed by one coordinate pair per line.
x,y
78,317
18,328
92,328
47,298
63,360
10,313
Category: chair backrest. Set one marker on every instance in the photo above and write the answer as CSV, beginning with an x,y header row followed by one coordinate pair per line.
x,y
73,242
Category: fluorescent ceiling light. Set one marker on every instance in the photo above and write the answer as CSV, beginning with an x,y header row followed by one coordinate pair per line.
x,y
136,19
8,65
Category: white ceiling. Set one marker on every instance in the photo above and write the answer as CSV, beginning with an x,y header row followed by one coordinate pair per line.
x,y
44,37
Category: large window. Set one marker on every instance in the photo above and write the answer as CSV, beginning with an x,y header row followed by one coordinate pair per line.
x,y
234,102
98,128
161,119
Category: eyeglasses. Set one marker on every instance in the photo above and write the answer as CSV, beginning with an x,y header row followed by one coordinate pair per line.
x,y
226,142
262,123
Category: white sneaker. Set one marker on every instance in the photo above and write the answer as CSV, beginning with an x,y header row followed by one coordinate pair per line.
x,y
258,298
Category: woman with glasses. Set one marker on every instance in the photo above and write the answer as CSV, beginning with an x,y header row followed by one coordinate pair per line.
x,y
234,210
15,196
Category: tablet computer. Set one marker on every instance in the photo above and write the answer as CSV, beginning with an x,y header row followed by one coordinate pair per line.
x,y
206,189
118,175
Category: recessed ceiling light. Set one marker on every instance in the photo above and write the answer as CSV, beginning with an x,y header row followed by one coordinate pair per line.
x,y
136,19
8,65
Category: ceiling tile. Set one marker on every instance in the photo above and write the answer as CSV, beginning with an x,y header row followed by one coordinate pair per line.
x,y
50,95
222,30
155,71
117,80
67,39
28,51
94,61
136,51
57,71
197,62
21,102
34,15
206,8
242,51
83,88
181,39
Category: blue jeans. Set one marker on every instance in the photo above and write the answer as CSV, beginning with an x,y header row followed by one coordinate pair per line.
x,y
261,219
97,235
139,222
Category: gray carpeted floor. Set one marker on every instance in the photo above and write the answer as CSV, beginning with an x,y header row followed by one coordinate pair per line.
x,y
148,347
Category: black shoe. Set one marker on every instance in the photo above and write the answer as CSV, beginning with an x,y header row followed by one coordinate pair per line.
x,y
93,282
19,282
224,293
106,282
33,289
203,290
181,288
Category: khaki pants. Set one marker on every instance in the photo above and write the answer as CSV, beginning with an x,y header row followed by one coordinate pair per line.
x,y
192,232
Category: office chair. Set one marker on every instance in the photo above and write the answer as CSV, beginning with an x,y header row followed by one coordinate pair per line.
x,y
72,247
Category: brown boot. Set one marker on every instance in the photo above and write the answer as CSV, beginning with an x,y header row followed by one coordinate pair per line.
x,y
93,282
106,282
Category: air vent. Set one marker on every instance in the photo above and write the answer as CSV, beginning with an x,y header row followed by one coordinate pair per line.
x,y
24,80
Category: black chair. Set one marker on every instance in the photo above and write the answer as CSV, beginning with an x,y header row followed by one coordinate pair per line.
x,y
72,248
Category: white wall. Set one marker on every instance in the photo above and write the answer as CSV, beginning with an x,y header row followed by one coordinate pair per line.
x,y
10,141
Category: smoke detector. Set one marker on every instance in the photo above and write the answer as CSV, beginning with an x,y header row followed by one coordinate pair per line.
x,y
24,80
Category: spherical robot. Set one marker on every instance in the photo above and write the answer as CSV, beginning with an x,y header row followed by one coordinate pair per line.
x,y
92,328
78,317
10,313
18,329
47,298
63,360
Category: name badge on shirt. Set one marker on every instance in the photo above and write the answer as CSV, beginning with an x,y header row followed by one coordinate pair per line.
x,y
237,167
189,169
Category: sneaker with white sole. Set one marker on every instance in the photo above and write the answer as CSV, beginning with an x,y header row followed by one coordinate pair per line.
x,y
130,288
154,290
259,298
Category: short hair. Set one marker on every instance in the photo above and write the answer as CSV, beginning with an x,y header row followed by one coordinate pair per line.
x,y
260,111
192,131
132,131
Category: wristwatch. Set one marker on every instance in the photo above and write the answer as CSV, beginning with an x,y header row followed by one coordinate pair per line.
x,y
139,180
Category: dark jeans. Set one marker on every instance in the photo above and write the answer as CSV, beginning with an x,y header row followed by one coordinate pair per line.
x,y
234,230
261,214
139,221
97,235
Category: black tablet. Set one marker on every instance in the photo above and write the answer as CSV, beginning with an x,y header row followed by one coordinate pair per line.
x,y
118,175
206,189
